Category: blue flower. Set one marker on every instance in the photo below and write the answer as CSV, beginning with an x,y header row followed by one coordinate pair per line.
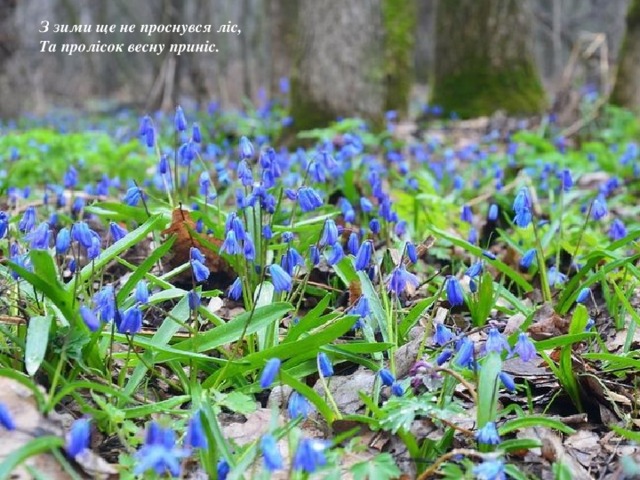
x,y
6,420
444,356
159,452
267,234
386,377
412,253
474,270
565,179
455,295
522,209
63,241
525,348
617,230
492,216
142,292
374,226
583,296
397,389
269,372
314,255
490,470
465,355
466,215
246,148
400,279
363,258
194,300
89,318
361,308
94,250
196,255
488,435
223,469
235,290
353,244
281,280
366,205
78,438
28,220
230,244
105,304
81,233
528,258
507,381
310,455
131,321
196,135
556,278
244,174
196,438
133,196
4,224
308,199
443,335
179,120
298,406
329,233
270,453
39,237
334,254
473,235
290,260
324,365
496,342
599,208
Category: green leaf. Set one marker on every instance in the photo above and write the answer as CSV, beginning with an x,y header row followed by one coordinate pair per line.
x,y
37,341
378,315
579,320
488,389
238,402
534,421
34,447
380,467
411,318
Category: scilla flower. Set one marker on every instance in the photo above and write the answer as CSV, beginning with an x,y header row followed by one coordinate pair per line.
x,y
455,295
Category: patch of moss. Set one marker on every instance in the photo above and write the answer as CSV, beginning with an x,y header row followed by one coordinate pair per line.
x,y
481,91
307,113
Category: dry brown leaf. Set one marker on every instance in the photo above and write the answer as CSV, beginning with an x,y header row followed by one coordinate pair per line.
x,y
547,324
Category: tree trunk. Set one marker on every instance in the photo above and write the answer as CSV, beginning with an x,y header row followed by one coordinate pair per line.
x,y
352,59
484,62
626,92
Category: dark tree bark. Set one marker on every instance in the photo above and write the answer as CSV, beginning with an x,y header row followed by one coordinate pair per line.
x,y
352,59
483,59
626,92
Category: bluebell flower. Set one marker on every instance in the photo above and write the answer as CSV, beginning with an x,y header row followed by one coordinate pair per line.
x,y
566,181
599,208
466,215
133,196
507,381
324,365
267,233
455,295
334,253
366,205
474,270
159,452
492,216
4,224
496,342
490,470
246,148
363,258
131,321
412,253
617,230
489,255
223,469
397,389
488,435
235,290
522,209
196,135
298,406
400,279
583,296
39,237
374,226
287,237
472,238
81,233
317,172
196,437
386,377
353,244
442,335
525,348
444,356
244,173
310,455
308,199
361,307
70,178
105,303
193,298
555,277
270,453
281,280
28,220
269,372
78,437
230,244
142,292
150,136
89,318
528,258
314,255
179,120
329,233
6,420
465,353
116,231
94,250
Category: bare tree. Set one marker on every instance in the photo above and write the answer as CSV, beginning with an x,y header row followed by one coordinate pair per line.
x,y
483,59
627,88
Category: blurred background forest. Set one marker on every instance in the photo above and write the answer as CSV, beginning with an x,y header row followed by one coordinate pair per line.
x,y
471,57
